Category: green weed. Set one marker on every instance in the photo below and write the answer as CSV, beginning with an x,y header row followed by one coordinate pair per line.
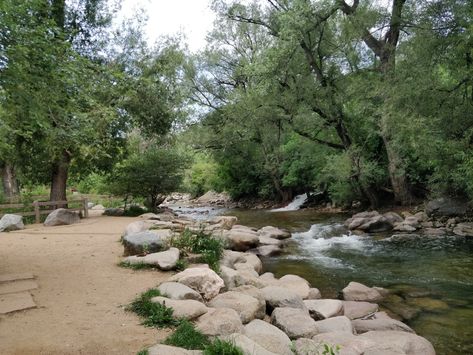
x,y
187,337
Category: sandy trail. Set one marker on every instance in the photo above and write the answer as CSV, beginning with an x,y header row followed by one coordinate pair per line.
x,y
81,291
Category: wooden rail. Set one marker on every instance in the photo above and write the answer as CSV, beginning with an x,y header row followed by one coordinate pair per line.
x,y
37,211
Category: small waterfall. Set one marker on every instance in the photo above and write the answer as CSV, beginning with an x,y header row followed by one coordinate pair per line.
x,y
296,204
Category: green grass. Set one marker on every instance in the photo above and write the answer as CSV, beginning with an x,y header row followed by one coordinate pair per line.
x,y
143,352
181,265
139,266
154,315
221,347
187,337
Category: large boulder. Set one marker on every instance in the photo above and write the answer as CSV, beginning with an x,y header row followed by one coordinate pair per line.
x,y
161,349
296,284
273,232
354,309
249,346
265,240
164,260
219,321
241,240
314,294
393,217
464,229
224,222
115,212
295,322
334,324
245,305
269,337
178,291
391,341
276,296
203,280
267,250
182,309
146,242
446,207
356,291
366,325
376,224
234,278
137,227
322,309
61,217
249,262
11,222
304,346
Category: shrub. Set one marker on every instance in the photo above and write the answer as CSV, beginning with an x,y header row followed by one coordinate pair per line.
x,y
187,337
134,211
221,347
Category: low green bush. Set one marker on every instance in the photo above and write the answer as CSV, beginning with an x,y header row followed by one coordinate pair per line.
x,y
139,266
134,211
187,337
221,347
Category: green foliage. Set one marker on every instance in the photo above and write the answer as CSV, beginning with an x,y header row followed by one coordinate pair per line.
x,y
93,183
143,352
181,265
187,337
222,347
208,246
154,314
134,211
202,177
138,266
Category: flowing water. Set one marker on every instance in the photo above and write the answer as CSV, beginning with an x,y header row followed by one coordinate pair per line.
x,y
431,278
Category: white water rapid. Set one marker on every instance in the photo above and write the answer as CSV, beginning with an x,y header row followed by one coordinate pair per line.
x,y
296,204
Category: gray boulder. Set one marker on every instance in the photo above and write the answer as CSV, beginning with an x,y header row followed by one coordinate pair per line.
x,y
241,240
164,260
354,309
185,309
276,296
335,324
366,325
296,284
446,207
203,280
464,229
269,337
356,291
137,227
393,217
273,232
267,250
295,322
178,291
219,321
245,305
391,341
61,217
326,308
249,346
146,242
115,212
376,224
314,294
11,222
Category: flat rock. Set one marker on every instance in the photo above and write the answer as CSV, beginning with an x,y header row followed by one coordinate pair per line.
x,y
146,242
224,222
17,286
178,291
219,321
161,349
334,324
248,307
269,337
274,232
13,302
11,222
366,325
203,280
249,346
186,309
354,309
276,296
326,308
61,217
295,322
447,207
164,260
356,291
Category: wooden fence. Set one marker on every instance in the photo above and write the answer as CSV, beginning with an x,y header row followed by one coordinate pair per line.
x,y
37,211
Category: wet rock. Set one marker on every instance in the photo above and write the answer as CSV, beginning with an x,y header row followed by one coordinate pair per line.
x,y
274,232
146,242
225,222
203,280
464,229
376,224
187,309
435,231
265,240
219,321
245,305
391,341
296,284
354,309
11,222
269,337
178,291
428,304
356,291
61,217
295,322
249,346
397,305
334,324
393,217
160,349
314,294
326,308
402,227
240,240
447,207
267,250
276,296
366,325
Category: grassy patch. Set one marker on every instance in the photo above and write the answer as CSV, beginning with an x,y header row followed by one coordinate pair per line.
x,y
154,314
221,347
181,265
143,352
187,337
139,266
208,246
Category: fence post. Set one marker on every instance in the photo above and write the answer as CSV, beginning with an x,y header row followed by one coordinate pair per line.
x,y
85,201
36,212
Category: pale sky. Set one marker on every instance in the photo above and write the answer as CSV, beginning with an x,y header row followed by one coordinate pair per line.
x,y
166,17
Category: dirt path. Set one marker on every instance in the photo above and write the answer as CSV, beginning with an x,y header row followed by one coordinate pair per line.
x,y
81,291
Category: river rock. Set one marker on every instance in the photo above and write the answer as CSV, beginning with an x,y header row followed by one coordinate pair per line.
x,y
253,292
219,321
249,261
114,212
224,222
61,217
203,280
335,324
386,341
11,222
304,346
269,337
464,229
274,232
245,305
276,296
187,309
314,294
428,304
350,344
240,240
356,291
322,309
360,218
376,224
393,217
265,240
296,284
295,322
354,309
178,291
249,346
267,250
434,231
234,278
366,325
137,227
446,207
165,260
161,349
268,279
146,242
402,227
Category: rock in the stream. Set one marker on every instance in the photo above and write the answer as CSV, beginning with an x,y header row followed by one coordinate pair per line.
x,y
245,305
178,291
276,296
267,250
219,321
241,240
446,207
249,346
295,322
391,341
204,280
354,309
376,224
224,222
164,260
187,309
322,309
296,284
356,291
393,217
334,324
161,349
366,325
11,222
274,233
265,240
464,229
314,294
249,262
269,337
61,217
146,242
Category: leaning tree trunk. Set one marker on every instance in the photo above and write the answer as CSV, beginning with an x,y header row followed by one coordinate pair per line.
x,y
9,182
59,176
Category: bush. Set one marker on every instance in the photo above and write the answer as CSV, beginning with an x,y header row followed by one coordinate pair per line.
x,y
221,347
134,211
187,337
93,184
154,314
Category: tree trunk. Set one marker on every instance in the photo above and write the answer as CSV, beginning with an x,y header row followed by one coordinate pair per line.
x,y
9,182
60,172
397,174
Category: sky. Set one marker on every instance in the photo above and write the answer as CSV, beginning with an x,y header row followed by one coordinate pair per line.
x,y
194,18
